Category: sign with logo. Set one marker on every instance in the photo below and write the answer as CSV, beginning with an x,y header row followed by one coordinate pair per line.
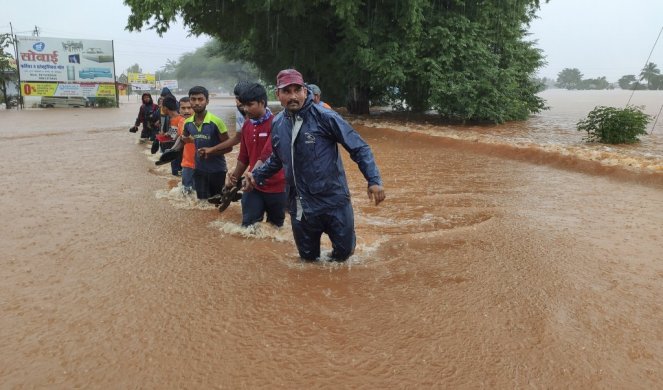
x,y
170,84
141,78
65,67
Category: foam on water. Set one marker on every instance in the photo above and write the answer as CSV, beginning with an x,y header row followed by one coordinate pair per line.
x,y
179,199
256,231
627,156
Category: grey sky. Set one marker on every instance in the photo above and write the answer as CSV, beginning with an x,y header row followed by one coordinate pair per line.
x,y
600,37
608,38
103,20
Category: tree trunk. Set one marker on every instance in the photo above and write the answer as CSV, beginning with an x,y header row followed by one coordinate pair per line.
x,y
3,89
357,102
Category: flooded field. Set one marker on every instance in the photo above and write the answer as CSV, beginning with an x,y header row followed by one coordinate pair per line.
x,y
509,256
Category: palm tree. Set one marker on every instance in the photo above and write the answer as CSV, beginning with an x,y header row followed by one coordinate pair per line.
x,y
650,73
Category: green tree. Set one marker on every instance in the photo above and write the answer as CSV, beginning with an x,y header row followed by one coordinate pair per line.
x,y
8,71
597,83
168,71
569,78
650,73
135,68
469,61
630,82
205,66
612,125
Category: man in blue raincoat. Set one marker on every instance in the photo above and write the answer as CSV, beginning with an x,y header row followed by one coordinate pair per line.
x,y
305,140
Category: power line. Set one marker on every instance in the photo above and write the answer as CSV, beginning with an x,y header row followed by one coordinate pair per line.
x,y
646,62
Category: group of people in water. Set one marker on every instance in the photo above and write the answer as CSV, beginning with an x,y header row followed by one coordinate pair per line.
x,y
288,161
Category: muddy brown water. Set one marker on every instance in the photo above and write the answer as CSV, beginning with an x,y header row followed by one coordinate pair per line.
x,y
486,267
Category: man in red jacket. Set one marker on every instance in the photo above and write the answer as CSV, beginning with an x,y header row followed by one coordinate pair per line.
x,y
255,148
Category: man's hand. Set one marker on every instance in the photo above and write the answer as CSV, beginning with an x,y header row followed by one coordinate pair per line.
x,y
376,192
187,139
231,180
204,153
249,182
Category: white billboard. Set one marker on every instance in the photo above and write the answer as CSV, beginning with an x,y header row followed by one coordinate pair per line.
x,y
170,84
64,66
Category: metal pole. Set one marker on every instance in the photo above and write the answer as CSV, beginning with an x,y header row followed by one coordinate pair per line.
x,y
656,120
18,68
117,94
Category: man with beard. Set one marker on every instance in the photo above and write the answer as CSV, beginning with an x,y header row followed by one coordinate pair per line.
x,y
305,138
208,132
148,116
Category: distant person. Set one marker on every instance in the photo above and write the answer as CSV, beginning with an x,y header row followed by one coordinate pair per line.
x,y
240,113
240,117
189,149
208,132
305,140
254,150
317,96
165,92
148,116
167,139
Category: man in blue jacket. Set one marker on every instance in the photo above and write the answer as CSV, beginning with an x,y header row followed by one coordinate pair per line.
x,y
305,140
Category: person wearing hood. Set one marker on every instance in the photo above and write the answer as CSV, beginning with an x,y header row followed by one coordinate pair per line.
x,y
148,116
305,138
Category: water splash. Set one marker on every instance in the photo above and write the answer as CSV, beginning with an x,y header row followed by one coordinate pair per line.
x,y
183,200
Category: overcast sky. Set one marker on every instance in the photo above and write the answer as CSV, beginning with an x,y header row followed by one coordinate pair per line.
x,y
600,37
105,20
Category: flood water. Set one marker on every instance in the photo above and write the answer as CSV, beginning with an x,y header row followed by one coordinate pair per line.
x,y
509,256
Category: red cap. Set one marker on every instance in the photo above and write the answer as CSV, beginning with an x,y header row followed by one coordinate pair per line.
x,y
287,77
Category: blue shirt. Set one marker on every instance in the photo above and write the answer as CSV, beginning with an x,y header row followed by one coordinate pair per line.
x,y
206,136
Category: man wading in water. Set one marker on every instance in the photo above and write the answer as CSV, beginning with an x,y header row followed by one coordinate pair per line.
x,y
304,143
208,132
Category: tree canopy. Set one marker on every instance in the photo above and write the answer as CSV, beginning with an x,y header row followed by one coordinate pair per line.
x,y
468,60
8,70
652,75
569,78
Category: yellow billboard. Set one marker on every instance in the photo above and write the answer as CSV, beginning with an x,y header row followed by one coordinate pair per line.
x,y
68,89
141,78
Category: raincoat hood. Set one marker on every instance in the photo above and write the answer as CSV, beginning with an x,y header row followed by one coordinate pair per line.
x,y
149,96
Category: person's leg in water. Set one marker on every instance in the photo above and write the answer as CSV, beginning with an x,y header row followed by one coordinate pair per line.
x,y
307,233
275,207
176,167
187,180
201,184
216,182
340,227
253,207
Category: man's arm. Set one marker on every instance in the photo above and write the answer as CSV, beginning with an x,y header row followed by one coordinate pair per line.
x,y
215,150
230,142
262,172
232,178
360,153
140,115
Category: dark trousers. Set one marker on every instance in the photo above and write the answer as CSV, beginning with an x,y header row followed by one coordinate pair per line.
x,y
256,203
175,165
338,224
208,184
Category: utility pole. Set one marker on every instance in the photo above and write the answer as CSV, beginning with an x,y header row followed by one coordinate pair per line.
x,y
18,70
35,32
